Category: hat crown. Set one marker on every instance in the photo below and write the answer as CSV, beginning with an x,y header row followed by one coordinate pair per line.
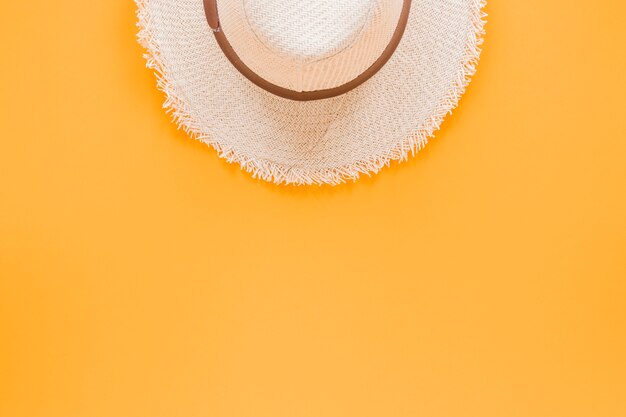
x,y
308,30
309,45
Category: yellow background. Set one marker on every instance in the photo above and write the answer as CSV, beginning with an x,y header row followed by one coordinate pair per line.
x,y
143,276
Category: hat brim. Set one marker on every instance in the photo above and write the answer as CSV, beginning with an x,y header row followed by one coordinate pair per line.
x,y
388,118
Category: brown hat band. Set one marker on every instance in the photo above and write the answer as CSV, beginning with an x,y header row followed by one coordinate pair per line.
x,y
212,16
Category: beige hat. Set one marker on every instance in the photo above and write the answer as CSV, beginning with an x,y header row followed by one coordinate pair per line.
x,y
312,91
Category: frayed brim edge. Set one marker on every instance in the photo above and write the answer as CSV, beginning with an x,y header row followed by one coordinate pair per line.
x,y
279,174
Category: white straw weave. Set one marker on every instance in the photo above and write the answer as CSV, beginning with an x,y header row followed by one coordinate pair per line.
x,y
328,141
309,45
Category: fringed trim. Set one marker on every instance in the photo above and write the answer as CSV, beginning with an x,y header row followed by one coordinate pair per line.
x,y
279,174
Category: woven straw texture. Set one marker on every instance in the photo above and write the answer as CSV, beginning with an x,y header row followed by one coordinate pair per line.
x,y
329,141
309,45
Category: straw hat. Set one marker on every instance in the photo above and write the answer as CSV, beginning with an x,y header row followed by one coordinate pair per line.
x,y
312,91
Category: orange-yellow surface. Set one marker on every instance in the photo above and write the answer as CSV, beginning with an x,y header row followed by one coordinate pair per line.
x,y
143,276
